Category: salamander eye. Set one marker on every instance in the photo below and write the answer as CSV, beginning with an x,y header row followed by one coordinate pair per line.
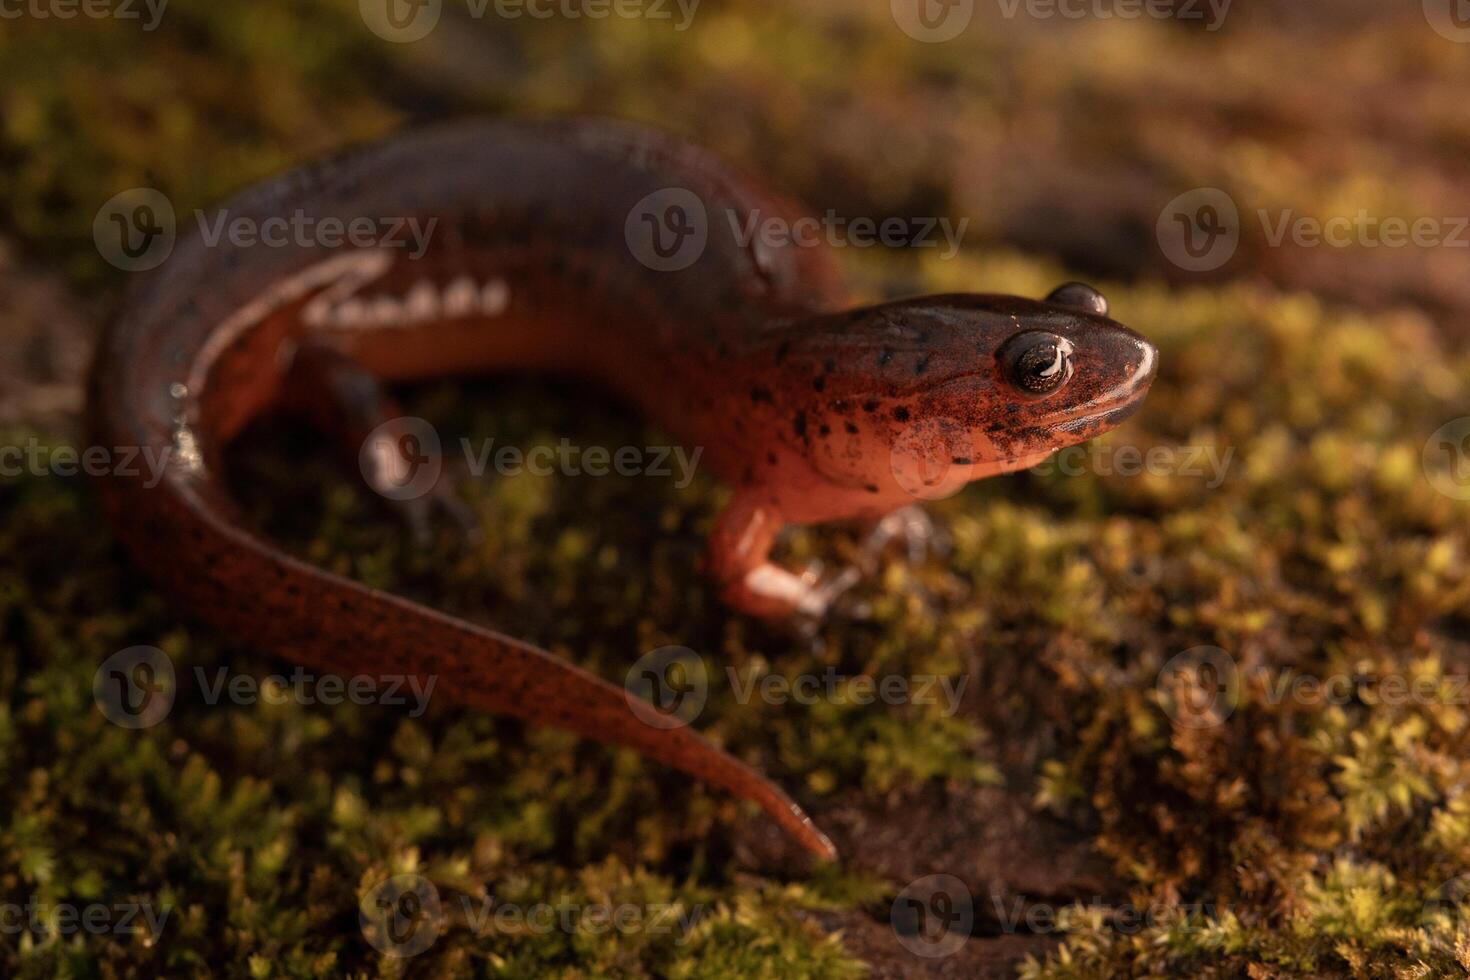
x,y
1035,362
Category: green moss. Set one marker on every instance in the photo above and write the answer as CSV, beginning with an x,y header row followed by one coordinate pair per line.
x,y
1297,836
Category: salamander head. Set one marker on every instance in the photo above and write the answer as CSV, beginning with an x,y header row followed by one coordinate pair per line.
x,y
953,388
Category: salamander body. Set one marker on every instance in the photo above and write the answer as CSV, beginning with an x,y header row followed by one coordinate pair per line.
x,y
595,250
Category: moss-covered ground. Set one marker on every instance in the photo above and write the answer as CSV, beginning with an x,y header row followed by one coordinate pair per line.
x,y
1108,814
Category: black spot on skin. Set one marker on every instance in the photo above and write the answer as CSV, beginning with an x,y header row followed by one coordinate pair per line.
x,y
871,405
884,356
901,413
760,393
782,351
1012,408
852,430
871,487
771,458
799,424
819,382
824,430
921,365
961,461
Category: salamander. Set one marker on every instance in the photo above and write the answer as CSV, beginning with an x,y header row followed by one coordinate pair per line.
x,y
597,250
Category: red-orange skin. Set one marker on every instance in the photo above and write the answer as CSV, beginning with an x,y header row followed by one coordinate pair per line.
x,y
811,415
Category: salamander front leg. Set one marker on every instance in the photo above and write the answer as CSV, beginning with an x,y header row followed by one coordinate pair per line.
x,y
739,560
910,526
341,398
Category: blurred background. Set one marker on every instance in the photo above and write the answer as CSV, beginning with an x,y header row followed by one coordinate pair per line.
x,y
1274,193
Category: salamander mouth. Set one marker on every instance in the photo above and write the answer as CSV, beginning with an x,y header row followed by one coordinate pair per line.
x,y
1085,426
1119,403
